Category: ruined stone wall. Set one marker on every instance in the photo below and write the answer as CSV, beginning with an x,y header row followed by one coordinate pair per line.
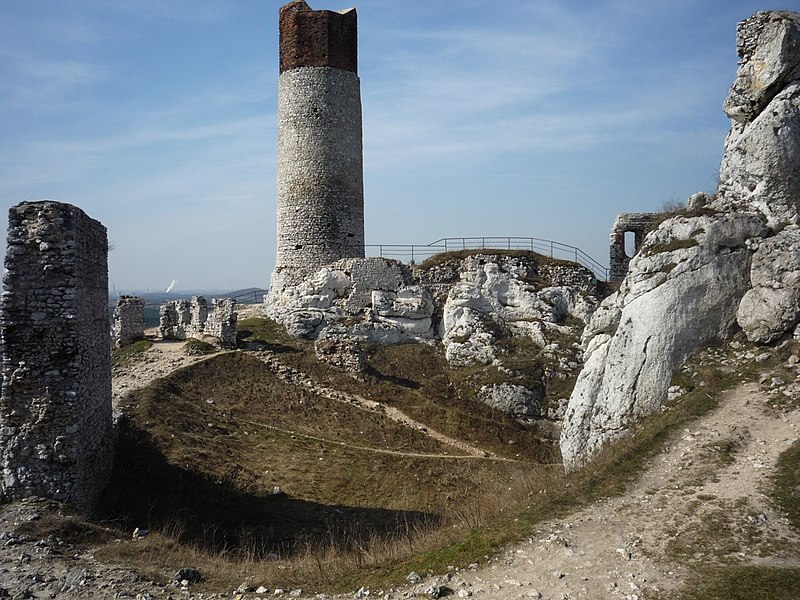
x,y
55,409
320,172
637,223
181,319
221,321
368,274
128,320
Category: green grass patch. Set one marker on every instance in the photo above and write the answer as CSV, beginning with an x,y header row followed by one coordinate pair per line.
x,y
672,245
743,583
786,484
130,352
266,333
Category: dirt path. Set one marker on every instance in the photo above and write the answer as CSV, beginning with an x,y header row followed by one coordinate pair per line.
x,y
161,359
702,499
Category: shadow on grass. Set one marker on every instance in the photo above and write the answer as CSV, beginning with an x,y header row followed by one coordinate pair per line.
x,y
401,381
147,491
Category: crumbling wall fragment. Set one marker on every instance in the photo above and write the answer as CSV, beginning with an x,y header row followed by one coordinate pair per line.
x,y
128,320
181,319
56,437
637,223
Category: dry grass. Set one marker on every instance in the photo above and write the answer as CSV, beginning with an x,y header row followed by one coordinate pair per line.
x,y
202,451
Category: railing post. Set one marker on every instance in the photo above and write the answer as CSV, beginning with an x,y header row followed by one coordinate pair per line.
x,y
551,248
412,252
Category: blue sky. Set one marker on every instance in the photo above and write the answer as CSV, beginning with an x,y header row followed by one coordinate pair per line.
x,y
523,118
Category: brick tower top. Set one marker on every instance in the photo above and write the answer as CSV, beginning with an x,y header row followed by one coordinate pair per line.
x,y
318,38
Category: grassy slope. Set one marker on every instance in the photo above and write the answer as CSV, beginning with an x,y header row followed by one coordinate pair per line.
x,y
202,473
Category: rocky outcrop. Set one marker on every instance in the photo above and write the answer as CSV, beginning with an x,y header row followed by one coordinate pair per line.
x,y
673,302
772,306
691,283
497,293
372,299
476,304
513,399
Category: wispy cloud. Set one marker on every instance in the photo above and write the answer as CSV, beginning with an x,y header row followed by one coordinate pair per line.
x,y
45,83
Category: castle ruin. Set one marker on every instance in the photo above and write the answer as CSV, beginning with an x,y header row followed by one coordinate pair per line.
x,y
128,320
320,172
56,437
182,319
637,223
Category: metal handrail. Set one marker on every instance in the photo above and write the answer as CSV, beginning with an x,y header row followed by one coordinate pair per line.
x,y
551,248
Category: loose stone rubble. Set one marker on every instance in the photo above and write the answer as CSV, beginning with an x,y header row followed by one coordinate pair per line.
x,y
726,262
182,319
56,438
128,320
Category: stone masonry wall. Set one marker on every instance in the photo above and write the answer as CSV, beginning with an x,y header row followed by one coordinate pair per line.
x,y
637,223
320,169
56,436
181,319
128,320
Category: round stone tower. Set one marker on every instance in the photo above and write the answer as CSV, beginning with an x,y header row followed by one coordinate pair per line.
x,y
320,171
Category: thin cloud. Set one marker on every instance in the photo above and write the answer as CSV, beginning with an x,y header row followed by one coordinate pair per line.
x,y
45,84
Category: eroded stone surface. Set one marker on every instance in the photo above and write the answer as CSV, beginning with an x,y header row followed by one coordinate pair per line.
x,y
56,438
692,279
182,319
772,306
128,320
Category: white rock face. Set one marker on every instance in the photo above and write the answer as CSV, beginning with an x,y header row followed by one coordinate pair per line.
x,y
768,45
513,399
495,291
691,282
672,303
762,152
759,168
772,306
391,309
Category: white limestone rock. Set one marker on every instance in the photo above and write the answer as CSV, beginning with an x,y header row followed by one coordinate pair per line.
x,y
759,166
772,307
495,292
410,302
513,399
681,293
376,293
768,45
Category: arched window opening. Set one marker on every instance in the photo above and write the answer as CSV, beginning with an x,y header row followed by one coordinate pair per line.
x,y
630,244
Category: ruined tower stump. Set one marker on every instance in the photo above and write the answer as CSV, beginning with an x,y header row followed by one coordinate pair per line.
x,y
320,171
55,409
